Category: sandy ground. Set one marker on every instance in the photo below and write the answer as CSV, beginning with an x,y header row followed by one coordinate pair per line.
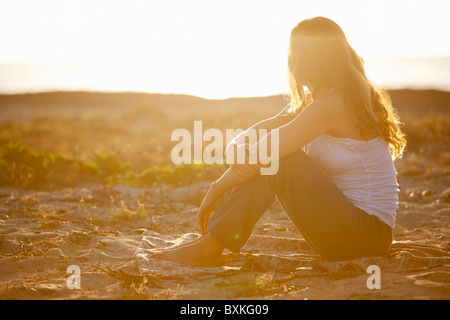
x,y
99,227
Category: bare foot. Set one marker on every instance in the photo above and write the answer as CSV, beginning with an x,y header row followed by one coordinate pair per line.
x,y
205,251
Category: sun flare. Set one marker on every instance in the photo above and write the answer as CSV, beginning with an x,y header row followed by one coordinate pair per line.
x,y
207,48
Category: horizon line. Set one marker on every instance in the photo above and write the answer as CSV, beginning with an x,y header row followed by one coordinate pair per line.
x,y
286,94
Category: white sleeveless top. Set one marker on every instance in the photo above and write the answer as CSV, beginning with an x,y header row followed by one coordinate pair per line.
x,y
363,170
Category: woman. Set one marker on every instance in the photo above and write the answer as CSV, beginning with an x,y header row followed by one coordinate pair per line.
x,y
342,194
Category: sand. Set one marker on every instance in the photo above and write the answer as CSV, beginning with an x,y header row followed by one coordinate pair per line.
x,y
99,227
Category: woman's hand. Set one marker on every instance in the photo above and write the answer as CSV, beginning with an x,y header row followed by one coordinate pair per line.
x,y
233,176
212,200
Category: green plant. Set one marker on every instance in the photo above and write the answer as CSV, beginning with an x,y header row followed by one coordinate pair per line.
x,y
22,167
108,165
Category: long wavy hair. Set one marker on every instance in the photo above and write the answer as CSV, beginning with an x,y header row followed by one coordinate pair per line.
x,y
320,56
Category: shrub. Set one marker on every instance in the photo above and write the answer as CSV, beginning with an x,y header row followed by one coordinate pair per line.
x,y
22,167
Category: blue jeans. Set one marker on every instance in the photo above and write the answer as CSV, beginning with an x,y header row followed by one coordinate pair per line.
x,y
327,220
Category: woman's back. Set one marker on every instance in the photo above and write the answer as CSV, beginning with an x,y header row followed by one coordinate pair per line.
x,y
363,170
345,126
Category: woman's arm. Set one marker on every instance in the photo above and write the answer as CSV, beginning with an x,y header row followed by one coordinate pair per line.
x,y
229,179
283,117
215,196
319,117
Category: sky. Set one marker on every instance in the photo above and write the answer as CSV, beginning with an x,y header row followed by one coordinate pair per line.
x,y
209,48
